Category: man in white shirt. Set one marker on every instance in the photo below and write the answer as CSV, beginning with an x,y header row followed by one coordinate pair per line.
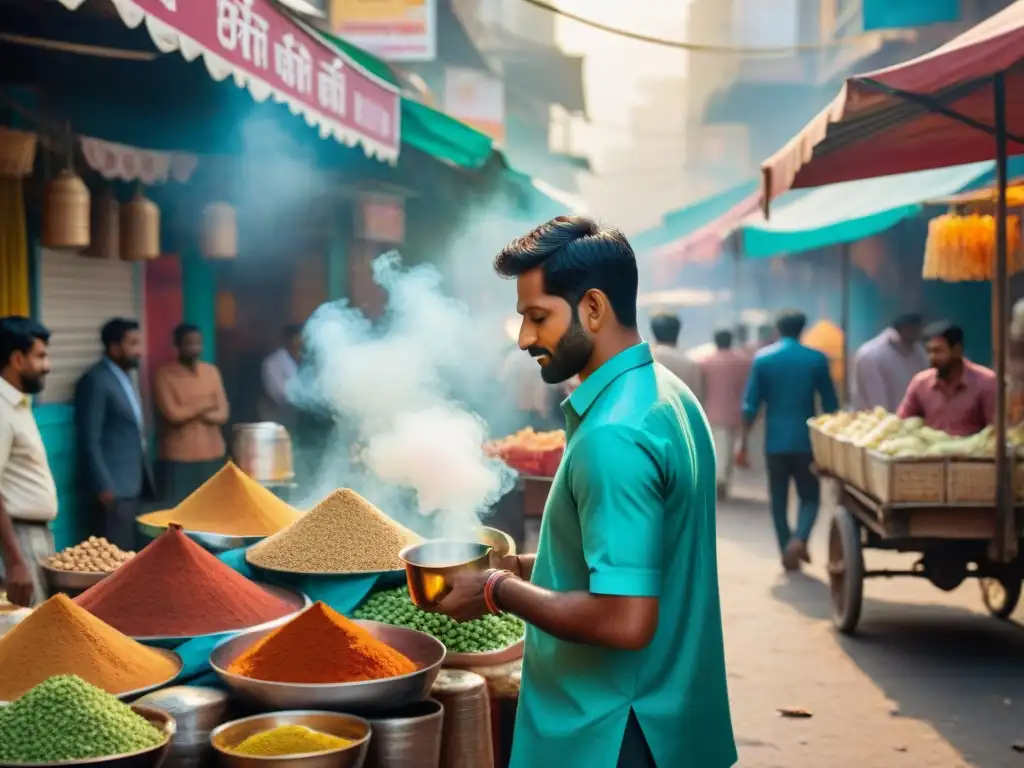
x,y
884,365
28,496
279,369
666,328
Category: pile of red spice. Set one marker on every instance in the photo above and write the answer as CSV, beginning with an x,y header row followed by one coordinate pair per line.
x,y
320,646
175,588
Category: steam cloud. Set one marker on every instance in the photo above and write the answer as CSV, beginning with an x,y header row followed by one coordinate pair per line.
x,y
396,388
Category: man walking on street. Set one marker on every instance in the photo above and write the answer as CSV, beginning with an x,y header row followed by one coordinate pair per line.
x,y
28,496
724,374
111,434
786,378
666,329
193,407
884,365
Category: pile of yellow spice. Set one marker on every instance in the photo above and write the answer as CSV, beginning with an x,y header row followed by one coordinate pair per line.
x,y
289,740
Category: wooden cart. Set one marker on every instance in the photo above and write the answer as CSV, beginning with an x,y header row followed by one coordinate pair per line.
x,y
955,541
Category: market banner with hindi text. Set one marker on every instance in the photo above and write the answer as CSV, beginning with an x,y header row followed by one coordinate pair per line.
x,y
275,56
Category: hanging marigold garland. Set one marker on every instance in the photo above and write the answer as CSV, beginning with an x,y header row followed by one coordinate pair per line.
x,y
962,247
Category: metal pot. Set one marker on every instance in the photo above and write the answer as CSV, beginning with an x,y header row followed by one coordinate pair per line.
x,y
407,738
264,452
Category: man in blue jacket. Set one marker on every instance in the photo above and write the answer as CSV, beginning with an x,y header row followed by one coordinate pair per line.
x,y
111,434
786,378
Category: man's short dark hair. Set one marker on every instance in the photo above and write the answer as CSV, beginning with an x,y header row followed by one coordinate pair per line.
x,y
577,255
666,327
723,338
953,334
790,323
19,334
292,330
908,320
114,331
184,330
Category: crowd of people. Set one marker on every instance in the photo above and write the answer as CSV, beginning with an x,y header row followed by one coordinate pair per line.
x,y
118,477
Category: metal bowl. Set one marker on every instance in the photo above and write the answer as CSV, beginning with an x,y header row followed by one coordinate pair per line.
x,y
297,600
145,758
426,652
69,581
214,542
195,709
332,723
505,655
430,566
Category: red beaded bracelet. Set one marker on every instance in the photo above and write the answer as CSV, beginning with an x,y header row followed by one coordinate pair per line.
x,y
491,586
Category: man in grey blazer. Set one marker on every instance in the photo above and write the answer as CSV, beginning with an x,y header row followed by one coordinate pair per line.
x,y
111,434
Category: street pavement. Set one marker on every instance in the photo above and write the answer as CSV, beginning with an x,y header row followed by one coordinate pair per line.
x,y
929,680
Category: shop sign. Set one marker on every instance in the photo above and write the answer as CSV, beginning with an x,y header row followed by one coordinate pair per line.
x,y
477,99
276,56
381,219
394,30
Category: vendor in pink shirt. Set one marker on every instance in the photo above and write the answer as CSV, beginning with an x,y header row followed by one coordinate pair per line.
x,y
954,395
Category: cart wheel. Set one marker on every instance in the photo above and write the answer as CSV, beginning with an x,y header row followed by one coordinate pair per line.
x,y
845,570
1000,595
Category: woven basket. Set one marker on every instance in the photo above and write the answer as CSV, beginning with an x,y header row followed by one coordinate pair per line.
x,y
821,446
17,153
971,481
905,481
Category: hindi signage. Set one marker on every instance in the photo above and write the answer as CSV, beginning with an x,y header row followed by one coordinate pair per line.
x,y
276,56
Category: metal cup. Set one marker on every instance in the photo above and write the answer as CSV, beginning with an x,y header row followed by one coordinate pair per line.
x,y
430,566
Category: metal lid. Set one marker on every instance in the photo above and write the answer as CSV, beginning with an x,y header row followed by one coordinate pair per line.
x,y
194,708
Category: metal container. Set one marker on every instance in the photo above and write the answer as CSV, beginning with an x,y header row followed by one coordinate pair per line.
x,y
407,738
466,741
426,652
69,582
430,566
344,726
144,758
264,452
500,542
197,711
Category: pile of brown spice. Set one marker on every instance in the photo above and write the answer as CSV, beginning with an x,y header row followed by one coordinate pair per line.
x,y
175,588
320,646
231,504
344,533
60,638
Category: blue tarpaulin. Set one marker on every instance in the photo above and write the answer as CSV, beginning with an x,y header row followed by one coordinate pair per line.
x,y
901,14
842,213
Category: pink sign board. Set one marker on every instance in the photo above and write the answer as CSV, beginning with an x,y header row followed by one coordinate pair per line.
x,y
274,55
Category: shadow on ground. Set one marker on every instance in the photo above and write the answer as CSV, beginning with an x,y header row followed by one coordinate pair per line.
x,y
960,671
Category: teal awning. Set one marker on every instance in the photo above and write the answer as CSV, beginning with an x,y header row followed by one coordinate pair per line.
x,y
805,219
682,222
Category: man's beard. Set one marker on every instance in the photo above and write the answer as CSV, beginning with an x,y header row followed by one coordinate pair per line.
x,y
130,363
33,386
570,356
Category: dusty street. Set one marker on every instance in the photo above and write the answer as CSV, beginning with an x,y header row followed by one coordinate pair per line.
x,y
929,680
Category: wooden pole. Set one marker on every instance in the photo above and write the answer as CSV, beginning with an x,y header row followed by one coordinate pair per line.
x,y
844,319
1006,536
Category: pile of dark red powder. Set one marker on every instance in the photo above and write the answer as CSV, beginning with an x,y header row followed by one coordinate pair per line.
x,y
175,588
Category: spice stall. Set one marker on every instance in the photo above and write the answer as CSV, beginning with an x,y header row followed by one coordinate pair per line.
x,y
947,107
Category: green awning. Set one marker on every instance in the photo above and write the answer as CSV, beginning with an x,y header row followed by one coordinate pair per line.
x,y
424,128
802,220
685,221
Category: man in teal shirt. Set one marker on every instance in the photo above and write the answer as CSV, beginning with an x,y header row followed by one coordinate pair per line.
x,y
624,662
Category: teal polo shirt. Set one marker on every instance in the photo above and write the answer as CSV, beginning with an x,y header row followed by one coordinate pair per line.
x,y
631,512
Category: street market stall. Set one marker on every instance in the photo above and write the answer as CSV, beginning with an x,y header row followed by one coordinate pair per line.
x,y
946,107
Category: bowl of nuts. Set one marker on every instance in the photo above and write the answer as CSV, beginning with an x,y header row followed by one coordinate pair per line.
x,y
77,568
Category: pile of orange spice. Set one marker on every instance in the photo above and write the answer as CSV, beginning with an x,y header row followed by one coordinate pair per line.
x,y
231,504
320,646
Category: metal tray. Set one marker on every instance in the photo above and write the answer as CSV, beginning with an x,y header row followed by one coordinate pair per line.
x,y
137,692
425,651
296,599
70,581
504,655
215,542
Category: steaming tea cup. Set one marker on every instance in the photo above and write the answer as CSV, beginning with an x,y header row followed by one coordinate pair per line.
x,y
430,566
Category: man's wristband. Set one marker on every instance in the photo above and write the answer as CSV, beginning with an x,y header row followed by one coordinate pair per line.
x,y
491,588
